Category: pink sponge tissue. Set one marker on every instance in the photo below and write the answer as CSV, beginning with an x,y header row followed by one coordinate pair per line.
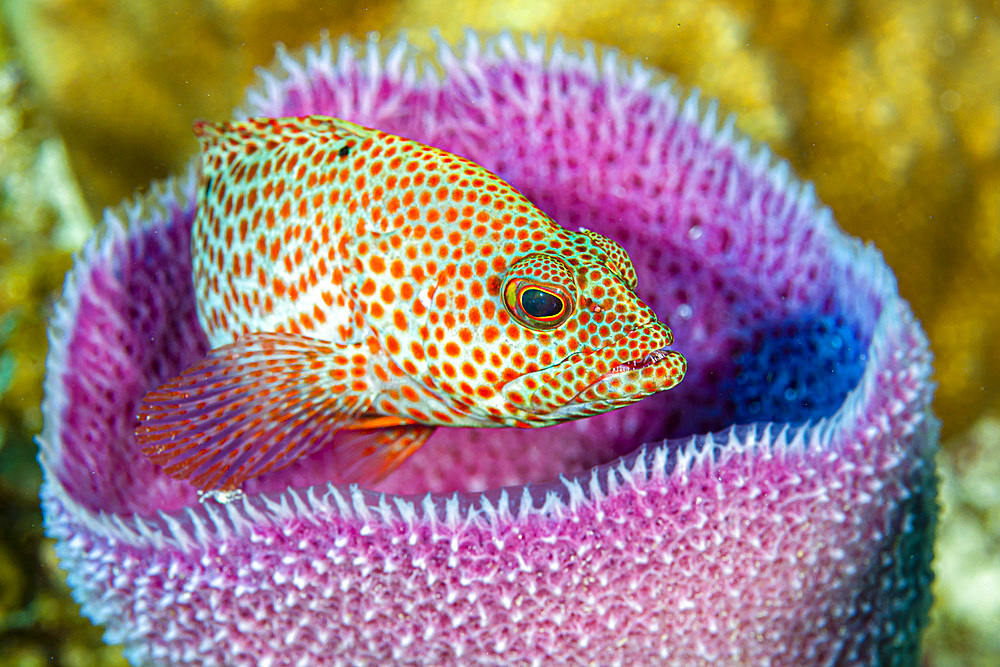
x,y
775,508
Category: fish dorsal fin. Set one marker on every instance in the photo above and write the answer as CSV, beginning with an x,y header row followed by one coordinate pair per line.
x,y
268,133
240,152
272,153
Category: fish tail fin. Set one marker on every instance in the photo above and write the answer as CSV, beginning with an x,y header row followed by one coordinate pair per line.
x,y
250,407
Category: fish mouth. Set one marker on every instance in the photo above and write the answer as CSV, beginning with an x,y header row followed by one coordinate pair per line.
x,y
596,381
628,382
646,361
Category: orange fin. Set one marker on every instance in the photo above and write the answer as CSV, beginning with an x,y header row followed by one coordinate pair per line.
x,y
369,456
247,408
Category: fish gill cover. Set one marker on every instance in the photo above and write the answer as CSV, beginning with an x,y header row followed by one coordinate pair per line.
x,y
777,507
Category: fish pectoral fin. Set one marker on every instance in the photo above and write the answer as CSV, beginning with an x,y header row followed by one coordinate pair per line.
x,y
250,407
369,456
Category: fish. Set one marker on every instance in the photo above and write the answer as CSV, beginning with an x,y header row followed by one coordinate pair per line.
x,y
355,283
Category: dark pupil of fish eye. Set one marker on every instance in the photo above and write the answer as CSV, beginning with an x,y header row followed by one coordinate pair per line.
x,y
344,150
537,303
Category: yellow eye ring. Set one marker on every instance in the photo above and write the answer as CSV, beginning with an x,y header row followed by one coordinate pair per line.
x,y
536,305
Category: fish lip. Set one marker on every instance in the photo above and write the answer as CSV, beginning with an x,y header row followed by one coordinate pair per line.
x,y
649,359
639,360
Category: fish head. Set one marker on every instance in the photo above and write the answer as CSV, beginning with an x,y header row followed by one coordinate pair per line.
x,y
575,338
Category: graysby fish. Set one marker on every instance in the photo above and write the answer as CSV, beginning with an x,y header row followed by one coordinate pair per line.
x,y
352,280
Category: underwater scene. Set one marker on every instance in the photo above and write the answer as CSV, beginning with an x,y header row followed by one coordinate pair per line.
x,y
499,333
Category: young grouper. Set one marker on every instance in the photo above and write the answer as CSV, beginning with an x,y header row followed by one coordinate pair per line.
x,y
349,279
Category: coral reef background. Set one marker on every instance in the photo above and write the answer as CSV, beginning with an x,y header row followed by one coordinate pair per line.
x,y
891,108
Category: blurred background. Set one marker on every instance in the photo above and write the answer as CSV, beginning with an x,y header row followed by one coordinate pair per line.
x,y
891,107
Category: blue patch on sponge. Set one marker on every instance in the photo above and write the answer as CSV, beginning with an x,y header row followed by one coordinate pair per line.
x,y
795,370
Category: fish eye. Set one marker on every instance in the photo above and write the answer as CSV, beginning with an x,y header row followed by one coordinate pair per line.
x,y
535,305
539,304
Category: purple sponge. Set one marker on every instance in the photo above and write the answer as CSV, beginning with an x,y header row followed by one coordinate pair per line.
x,y
777,507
